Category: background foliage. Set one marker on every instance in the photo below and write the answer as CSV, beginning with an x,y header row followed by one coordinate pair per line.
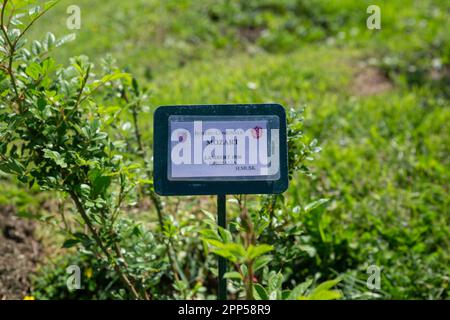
x,y
377,193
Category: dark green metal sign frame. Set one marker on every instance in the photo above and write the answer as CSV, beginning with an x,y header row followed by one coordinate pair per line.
x,y
166,187
221,188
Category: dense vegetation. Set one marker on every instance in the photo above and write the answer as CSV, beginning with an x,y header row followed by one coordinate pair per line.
x,y
76,137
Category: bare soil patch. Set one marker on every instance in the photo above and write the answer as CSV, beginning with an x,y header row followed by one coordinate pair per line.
x,y
19,253
250,34
370,81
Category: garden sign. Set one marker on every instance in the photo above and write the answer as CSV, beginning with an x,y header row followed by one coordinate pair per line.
x,y
220,150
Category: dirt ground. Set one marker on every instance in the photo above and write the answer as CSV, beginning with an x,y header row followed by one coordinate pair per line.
x,y
19,253
370,81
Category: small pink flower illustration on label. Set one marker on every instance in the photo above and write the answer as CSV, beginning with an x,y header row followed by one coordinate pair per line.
x,y
257,132
182,137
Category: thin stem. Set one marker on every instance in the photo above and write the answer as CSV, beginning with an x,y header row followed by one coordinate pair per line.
x,y
249,294
83,85
273,202
177,272
5,33
100,244
13,10
12,48
78,99
33,21
63,216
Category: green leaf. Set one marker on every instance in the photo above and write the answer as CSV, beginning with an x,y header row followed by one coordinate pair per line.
x,y
81,236
135,86
49,40
299,290
36,47
115,76
254,252
69,243
56,157
67,38
315,204
34,70
310,250
214,242
325,295
99,182
285,294
12,166
136,231
231,251
259,292
323,292
34,9
210,219
327,285
261,262
225,254
209,234
15,20
275,282
233,275
225,235
236,250
85,191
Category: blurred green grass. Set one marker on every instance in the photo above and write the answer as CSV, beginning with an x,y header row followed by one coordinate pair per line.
x,y
386,157
153,37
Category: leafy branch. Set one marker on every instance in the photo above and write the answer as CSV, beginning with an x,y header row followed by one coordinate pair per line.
x,y
63,149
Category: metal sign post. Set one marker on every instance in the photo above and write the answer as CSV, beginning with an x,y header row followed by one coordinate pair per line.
x,y
222,222
220,150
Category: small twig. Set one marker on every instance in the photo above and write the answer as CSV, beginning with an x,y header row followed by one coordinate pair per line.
x,y
12,48
33,21
13,10
63,216
99,242
154,198
83,85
